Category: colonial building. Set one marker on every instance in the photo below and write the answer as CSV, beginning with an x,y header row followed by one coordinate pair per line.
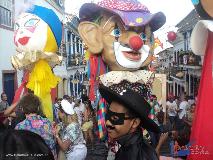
x,y
165,60
75,75
10,79
186,67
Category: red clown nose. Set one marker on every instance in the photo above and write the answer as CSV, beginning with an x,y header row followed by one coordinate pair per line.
x,y
135,43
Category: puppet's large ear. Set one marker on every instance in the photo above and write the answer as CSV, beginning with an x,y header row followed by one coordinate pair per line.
x,y
204,8
208,7
92,36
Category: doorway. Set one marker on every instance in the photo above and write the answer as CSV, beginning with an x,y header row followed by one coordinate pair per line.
x,y
9,80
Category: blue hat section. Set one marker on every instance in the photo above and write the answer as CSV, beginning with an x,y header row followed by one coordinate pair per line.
x,y
51,19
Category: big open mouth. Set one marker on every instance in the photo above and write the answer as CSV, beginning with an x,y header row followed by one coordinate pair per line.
x,y
132,56
23,40
128,58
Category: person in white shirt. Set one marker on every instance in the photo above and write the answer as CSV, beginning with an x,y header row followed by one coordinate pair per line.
x,y
171,108
71,140
191,100
82,106
183,107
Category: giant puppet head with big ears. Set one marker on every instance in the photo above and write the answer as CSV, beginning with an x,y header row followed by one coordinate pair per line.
x,y
121,31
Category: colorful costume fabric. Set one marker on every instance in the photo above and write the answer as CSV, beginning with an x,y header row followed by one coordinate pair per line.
x,y
37,36
77,149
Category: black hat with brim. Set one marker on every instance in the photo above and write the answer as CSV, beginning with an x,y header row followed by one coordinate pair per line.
x,y
131,100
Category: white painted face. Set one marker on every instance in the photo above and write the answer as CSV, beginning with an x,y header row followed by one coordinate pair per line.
x,y
127,59
30,33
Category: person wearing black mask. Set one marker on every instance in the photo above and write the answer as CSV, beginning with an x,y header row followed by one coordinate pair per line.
x,y
126,116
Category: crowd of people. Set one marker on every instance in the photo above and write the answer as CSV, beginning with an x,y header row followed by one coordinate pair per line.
x,y
66,137
176,121
74,124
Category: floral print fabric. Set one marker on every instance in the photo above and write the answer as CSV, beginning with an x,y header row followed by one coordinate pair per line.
x,y
73,133
41,126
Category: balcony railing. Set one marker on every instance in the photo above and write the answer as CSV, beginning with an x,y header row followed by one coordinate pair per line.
x,y
188,59
73,61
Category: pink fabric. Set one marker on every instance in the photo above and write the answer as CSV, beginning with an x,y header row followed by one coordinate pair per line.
x,y
123,5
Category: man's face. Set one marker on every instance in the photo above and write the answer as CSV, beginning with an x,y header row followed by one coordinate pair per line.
x,y
121,129
4,97
118,52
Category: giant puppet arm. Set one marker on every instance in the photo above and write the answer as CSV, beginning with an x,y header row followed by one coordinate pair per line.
x,y
199,37
202,128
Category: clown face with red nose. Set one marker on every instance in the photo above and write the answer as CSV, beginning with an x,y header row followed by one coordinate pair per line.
x,y
121,31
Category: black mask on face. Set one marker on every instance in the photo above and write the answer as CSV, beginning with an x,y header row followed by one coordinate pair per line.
x,y
116,118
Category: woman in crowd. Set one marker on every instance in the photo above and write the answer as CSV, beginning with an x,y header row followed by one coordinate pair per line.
x,y
34,122
71,140
87,126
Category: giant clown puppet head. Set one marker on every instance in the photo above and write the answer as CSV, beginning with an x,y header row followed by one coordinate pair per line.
x,y
37,35
121,31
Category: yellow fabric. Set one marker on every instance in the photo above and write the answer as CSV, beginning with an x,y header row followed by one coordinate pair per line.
x,y
87,55
87,125
157,43
41,80
51,45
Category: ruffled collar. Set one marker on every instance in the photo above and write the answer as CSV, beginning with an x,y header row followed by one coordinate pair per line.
x,y
115,77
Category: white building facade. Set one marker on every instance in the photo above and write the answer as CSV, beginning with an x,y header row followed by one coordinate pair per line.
x,y
186,67
75,78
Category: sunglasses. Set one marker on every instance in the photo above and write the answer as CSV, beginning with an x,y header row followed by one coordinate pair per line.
x,y
116,118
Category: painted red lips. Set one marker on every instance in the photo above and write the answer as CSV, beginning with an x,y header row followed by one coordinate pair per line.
x,y
23,40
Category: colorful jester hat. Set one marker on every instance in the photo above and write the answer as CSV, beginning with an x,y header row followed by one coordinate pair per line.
x,y
38,34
